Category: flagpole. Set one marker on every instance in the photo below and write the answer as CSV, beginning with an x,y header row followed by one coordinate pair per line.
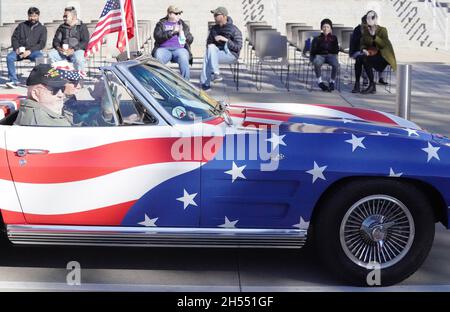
x,y
138,40
124,27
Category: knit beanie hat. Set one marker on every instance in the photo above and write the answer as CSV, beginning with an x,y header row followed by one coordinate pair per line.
x,y
326,21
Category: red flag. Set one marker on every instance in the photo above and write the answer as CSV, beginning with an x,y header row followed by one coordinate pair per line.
x,y
129,20
110,21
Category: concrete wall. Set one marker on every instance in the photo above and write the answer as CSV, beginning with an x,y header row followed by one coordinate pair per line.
x,y
276,12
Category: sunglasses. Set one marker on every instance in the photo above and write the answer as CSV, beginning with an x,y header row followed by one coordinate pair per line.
x,y
177,13
55,90
215,15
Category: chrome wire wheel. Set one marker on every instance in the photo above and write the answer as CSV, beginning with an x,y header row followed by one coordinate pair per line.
x,y
377,231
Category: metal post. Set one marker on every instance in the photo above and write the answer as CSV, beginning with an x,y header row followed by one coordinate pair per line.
x,y
404,90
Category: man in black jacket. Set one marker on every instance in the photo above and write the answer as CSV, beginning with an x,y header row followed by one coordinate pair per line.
x,y
70,41
224,44
324,49
173,40
27,41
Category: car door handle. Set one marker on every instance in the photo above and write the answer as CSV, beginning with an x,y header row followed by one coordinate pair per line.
x,y
23,152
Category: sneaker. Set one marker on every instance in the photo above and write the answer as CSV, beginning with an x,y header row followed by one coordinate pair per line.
x,y
12,85
205,87
323,86
217,78
331,87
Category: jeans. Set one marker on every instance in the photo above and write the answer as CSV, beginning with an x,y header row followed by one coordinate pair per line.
x,y
176,55
211,61
331,59
13,57
77,58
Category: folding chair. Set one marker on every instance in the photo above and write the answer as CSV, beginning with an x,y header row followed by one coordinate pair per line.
x,y
271,50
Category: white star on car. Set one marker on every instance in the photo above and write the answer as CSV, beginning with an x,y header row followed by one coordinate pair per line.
x,y
412,132
432,152
236,172
229,224
187,199
356,142
276,140
148,222
317,172
302,225
392,174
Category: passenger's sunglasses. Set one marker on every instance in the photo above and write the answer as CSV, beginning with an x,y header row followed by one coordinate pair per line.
x,y
177,13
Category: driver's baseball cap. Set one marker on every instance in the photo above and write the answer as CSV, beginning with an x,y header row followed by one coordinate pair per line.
x,y
45,74
220,10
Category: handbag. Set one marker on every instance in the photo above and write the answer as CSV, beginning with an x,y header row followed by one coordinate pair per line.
x,y
372,51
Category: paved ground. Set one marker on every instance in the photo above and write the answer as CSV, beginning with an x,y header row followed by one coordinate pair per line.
x,y
44,268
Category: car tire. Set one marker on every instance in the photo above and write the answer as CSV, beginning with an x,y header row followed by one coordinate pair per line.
x,y
359,224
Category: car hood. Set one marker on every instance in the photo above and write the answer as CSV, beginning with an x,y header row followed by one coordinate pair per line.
x,y
328,111
312,121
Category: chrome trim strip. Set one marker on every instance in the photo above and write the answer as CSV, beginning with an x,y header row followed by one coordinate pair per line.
x,y
155,237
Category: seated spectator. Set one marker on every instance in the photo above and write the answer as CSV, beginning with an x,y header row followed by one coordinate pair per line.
x,y
356,53
173,40
325,49
377,49
224,45
45,99
28,39
70,41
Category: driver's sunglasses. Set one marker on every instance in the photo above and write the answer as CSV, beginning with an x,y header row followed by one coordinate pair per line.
x,y
55,90
215,15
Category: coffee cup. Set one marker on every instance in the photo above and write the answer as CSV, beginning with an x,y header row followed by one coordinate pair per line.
x,y
65,46
21,49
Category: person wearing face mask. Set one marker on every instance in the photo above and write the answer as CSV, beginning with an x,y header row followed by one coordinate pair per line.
x,y
71,40
325,49
173,40
28,39
377,50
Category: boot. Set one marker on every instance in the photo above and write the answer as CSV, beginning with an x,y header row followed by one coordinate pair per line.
x,y
371,89
356,88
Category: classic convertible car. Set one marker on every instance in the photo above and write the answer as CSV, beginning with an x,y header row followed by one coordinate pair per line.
x,y
152,161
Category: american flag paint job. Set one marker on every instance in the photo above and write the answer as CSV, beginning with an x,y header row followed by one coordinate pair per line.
x,y
127,176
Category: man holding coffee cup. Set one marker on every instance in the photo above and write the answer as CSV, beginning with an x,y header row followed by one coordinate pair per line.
x,y
28,39
71,40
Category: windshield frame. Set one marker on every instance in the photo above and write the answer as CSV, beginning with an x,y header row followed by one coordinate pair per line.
x,y
124,69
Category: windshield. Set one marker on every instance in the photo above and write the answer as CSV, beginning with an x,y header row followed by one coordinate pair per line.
x,y
176,96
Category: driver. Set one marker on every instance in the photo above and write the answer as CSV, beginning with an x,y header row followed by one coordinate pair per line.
x,y
45,99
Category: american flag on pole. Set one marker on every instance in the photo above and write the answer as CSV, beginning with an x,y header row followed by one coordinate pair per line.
x,y
110,21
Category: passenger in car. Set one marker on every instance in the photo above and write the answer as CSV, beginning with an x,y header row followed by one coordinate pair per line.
x,y
45,99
